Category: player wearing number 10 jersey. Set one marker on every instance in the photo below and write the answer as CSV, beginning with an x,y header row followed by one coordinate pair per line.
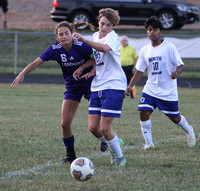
x,y
164,64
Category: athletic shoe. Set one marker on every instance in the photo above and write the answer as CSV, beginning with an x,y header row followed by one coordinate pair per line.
x,y
148,146
120,161
70,157
121,143
191,138
103,146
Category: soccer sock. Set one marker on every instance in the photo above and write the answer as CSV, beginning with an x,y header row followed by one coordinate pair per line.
x,y
184,124
102,139
115,147
146,131
69,142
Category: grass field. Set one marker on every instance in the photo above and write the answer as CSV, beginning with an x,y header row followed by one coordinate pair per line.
x,y
31,145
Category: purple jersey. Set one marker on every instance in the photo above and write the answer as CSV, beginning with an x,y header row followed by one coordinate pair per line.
x,y
70,60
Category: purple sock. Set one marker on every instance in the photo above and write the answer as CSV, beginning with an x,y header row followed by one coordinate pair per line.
x,y
69,142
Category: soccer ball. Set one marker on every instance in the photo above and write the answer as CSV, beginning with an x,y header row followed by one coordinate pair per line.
x,y
82,169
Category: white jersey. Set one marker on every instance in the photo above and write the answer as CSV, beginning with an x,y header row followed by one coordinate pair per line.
x,y
109,73
160,62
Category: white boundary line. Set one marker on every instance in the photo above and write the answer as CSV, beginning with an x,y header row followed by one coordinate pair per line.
x,y
37,169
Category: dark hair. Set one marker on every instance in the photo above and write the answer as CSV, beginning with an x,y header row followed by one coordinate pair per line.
x,y
72,26
111,14
154,22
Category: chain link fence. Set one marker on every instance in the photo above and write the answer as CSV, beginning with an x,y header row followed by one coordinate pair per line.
x,y
18,49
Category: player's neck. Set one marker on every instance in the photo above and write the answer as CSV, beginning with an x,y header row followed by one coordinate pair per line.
x,y
156,43
67,47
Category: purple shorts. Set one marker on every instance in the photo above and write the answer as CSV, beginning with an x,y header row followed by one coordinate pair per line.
x,y
76,94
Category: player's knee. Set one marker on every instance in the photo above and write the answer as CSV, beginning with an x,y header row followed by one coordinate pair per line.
x,y
144,115
176,120
92,129
65,124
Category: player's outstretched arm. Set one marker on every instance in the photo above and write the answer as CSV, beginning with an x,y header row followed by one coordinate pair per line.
x,y
32,66
96,45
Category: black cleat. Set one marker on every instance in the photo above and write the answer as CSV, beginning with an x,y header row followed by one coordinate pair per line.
x,y
103,146
70,157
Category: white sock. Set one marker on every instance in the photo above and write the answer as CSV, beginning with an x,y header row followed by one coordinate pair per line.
x,y
146,131
184,124
115,147
102,139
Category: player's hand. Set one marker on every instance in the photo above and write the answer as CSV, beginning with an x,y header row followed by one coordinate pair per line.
x,y
88,75
78,37
17,80
174,75
77,73
128,91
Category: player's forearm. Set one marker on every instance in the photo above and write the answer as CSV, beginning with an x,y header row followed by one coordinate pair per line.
x,y
98,46
136,78
88,63
179,69
32,66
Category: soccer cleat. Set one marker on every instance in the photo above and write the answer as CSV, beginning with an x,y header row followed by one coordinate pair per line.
x,y
121,143
148,146
191,138
70,157
120,161
103,146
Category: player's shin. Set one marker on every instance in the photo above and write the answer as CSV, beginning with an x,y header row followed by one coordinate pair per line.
x,y
146,132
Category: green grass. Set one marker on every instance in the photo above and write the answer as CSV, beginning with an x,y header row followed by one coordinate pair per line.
x,y
31,145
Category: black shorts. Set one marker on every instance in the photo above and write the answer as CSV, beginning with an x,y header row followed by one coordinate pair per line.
x,y
4,5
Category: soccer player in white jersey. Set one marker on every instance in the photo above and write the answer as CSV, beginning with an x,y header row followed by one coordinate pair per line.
x,y
109,84
70,54
164,64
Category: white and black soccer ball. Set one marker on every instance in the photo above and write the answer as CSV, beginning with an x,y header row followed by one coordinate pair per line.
x,y
82,169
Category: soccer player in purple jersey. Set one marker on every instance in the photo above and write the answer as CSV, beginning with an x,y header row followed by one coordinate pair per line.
x,y
70,55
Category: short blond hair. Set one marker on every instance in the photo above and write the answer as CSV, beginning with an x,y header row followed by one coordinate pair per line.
x,y
111,14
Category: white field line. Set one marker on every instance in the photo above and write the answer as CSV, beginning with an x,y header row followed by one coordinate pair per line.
x,y
37,169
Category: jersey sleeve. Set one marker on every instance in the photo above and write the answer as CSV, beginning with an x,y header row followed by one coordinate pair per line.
x,y
88,51
175,56
112,40
141,64
48,54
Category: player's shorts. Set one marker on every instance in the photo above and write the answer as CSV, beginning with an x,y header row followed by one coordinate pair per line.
x,y
149,103
76,94
106,103
4,5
